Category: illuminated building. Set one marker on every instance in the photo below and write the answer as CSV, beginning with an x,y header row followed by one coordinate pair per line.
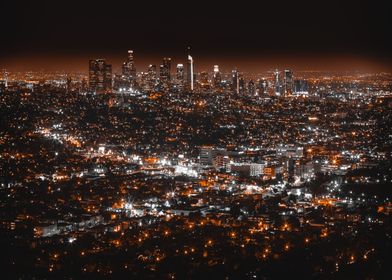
x,y
241,84
180,72
262,87
190,71
152,76
179,79
301,87
164,72
206,155
234,81
129,69
251,88
217,78
288,82
220,160
100,75
210,154
247,169
277,83
204,78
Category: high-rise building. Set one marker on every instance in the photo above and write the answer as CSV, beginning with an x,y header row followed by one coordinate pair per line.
x,y
235,85
217,78
190,72
251,88
180,72
203,78
165,71
241,84
262,87
288,82
180,76
277,83
301,87
129,69
152,76
100,75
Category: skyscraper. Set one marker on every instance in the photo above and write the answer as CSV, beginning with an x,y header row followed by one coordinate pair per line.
x,y
217,78
180,75
277,83
251,88
129,69
234,81
152,76
204,78
301,87
190,71
241,84
288,82
165,70
262,87
100,75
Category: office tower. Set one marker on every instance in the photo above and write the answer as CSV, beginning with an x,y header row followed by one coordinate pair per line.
x,y
190,71
100,75
152,76
290,169
180,75
180,72
251,88
204,78
288,82
277,83
301,87
108,77
262,87
241,83
165,71
119,83
217,78
129,69
234,81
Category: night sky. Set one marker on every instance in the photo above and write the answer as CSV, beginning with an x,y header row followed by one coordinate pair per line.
x,y
65,34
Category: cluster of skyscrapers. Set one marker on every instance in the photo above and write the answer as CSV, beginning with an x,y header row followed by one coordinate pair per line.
x,y
161,78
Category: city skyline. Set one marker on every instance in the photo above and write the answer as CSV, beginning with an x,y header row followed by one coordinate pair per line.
x,y
195,140
265,32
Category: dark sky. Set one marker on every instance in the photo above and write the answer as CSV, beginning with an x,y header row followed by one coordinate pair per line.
x,y
66,33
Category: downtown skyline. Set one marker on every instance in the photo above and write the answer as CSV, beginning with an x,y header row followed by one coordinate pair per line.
x,y
252,36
